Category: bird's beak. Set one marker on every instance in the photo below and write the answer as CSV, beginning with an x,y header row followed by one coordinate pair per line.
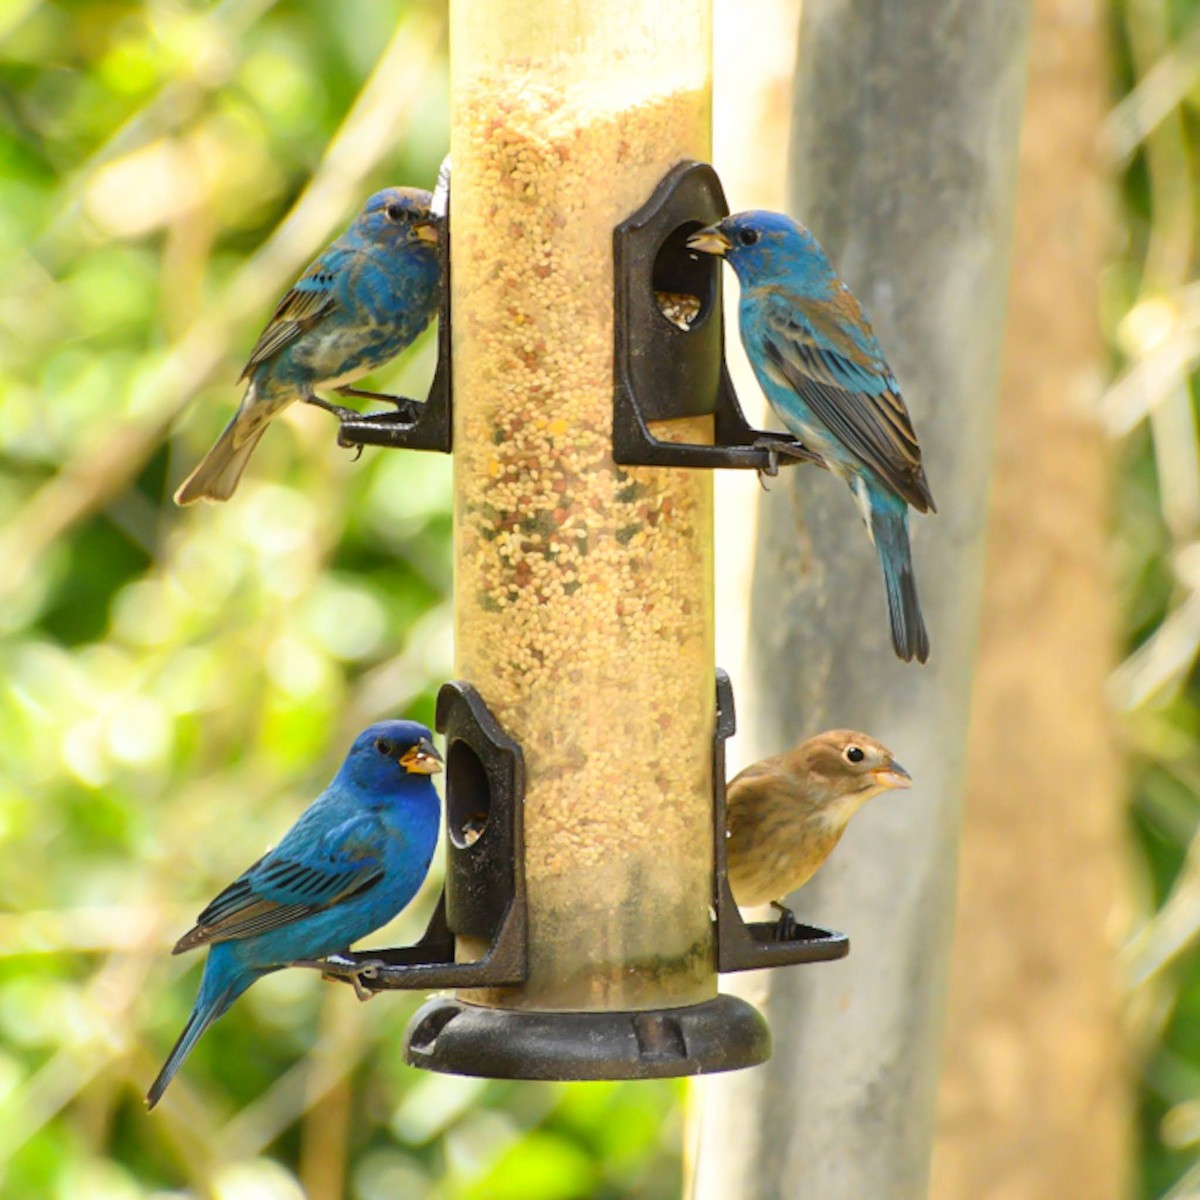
x,y
710,241
426,231
892,776
421,759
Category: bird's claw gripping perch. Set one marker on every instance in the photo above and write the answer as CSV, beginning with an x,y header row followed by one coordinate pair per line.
x,y
352,422
785,927
777,449
356,975
343,970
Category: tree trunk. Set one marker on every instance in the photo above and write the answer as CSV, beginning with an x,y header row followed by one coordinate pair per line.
x,y
1035,1099
903,164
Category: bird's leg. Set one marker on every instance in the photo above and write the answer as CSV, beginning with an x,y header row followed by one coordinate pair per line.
x,y
351,971
339,969
402,403
351,421
785,927
343,414
775,449
359,972
407,411
772,467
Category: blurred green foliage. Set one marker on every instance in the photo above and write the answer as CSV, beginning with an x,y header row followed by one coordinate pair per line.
x,y
178,685
1151,307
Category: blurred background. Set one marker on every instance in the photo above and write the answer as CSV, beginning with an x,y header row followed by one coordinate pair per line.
x,y
167,169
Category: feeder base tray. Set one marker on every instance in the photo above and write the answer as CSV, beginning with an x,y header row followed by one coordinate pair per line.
x,y
723,1034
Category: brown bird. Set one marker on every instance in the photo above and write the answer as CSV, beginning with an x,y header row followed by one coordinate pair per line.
x,y
786,814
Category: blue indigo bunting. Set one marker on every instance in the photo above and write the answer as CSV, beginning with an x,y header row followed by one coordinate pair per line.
x,y
785,815
357,306
825,375
354,859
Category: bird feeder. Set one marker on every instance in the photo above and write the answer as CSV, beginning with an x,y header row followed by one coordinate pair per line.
x,y
581,382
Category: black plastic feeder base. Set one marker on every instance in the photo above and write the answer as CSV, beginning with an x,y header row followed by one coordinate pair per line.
x,y
723,1034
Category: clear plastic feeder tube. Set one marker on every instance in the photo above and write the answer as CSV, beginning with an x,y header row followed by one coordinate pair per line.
x,y
583,597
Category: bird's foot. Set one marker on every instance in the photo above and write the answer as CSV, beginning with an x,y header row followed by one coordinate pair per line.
x,y
777,449
785,927
361,971
772,465
405,407
357,429
338,969
353,973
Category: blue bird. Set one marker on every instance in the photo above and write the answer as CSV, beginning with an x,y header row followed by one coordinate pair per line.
x,y
824,373
357,306
357,855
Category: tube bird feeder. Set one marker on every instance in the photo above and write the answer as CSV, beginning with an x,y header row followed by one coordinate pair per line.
x,y
586,913
583,599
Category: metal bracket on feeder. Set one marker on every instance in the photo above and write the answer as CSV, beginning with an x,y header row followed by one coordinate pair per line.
x,y
669,352
416,425
484,896
751,945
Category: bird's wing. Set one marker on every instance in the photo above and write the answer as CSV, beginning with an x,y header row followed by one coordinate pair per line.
x,y
309,300
846,384
290,883
750,780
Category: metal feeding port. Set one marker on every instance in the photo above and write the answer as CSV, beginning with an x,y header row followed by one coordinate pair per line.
x,y
484,896
669,352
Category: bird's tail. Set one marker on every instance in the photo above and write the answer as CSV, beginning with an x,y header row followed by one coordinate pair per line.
x,y
219,470
222,984
889,528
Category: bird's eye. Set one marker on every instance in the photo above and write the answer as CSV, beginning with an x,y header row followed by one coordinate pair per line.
x,y
385,747
748,236
394,211
854,754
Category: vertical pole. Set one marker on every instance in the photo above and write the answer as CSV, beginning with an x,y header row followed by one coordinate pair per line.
x,y
903,164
